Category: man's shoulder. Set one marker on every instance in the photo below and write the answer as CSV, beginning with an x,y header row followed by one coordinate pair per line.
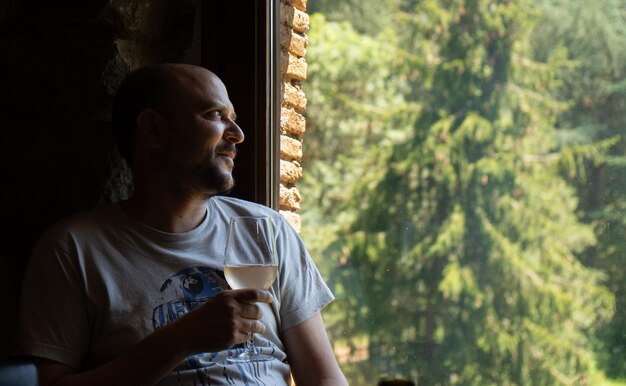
x,y
85,221
242,207
228,207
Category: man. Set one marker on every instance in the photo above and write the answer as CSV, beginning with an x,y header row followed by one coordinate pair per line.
x,y
133,293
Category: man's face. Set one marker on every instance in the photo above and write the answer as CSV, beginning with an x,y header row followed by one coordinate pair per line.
x,y
202,134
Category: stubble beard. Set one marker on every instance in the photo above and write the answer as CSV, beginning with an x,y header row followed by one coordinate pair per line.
x,y
213,180
207,179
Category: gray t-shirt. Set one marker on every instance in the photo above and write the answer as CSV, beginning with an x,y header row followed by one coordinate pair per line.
x,y
99,282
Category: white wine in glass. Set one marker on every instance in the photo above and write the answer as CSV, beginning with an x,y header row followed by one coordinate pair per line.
x,y
250,276
250,261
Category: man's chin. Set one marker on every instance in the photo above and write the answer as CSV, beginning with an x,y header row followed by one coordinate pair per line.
x,y
223,188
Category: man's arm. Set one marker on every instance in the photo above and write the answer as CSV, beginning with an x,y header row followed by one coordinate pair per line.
x,y
145,364
223,321
311,357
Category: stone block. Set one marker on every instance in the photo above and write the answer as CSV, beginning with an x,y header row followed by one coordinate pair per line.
x,y
294,18
143,18
294,96
138,53
299,4
290,172
292,123
292,67
293,42
290,148
290,198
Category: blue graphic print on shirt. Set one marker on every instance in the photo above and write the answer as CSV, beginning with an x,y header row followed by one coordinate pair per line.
x,y
185,291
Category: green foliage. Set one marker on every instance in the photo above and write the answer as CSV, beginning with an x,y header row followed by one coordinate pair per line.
x,y
373,15
591,137
446,196
356,111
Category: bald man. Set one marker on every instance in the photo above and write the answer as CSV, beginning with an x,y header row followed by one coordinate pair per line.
x,y
133,293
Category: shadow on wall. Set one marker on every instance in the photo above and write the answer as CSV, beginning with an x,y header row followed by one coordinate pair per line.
x,y
60,62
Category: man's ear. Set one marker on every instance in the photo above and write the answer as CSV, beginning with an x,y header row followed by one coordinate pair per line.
x,y
150,125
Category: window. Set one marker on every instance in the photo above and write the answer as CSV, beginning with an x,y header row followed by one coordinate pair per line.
x,y
464,188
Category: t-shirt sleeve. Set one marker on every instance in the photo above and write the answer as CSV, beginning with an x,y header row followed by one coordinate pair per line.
x,y
303,291
53,313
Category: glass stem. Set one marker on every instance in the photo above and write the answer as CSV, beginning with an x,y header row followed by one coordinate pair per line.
x,y
250,349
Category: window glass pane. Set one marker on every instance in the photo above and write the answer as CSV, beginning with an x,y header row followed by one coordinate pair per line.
x,y
464,189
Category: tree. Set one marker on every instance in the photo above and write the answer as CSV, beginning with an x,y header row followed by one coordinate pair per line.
x,y
591,134
460,259
356,112
373,16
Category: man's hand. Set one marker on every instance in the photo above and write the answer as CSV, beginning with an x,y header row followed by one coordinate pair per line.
x,y
222,321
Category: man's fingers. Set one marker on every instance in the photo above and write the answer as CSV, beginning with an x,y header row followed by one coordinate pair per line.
x,y
252,327
255,327
259,327
249,295
251,311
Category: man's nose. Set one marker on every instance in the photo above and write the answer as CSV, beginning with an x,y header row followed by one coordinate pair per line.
x,y
233,133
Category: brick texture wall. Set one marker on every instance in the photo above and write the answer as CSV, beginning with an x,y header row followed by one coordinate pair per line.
x,y
294,23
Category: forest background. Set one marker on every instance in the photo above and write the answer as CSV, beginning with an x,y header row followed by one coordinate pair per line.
x,y
465,188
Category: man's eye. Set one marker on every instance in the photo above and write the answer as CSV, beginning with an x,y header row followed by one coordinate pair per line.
x,y
215,114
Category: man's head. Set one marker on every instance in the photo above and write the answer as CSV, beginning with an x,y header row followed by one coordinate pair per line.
x,y
179,119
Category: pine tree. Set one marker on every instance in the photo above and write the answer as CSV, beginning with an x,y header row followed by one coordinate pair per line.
x,y
460,264
593,33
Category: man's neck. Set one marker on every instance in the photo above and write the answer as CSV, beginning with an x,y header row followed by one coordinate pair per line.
x,y
164,213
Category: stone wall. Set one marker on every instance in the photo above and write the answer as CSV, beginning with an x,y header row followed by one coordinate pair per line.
x,y
294,23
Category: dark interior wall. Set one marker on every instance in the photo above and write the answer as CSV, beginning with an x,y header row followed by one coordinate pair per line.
x,y
60,62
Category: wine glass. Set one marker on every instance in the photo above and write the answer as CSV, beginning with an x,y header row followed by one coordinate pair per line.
x,y
250,262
